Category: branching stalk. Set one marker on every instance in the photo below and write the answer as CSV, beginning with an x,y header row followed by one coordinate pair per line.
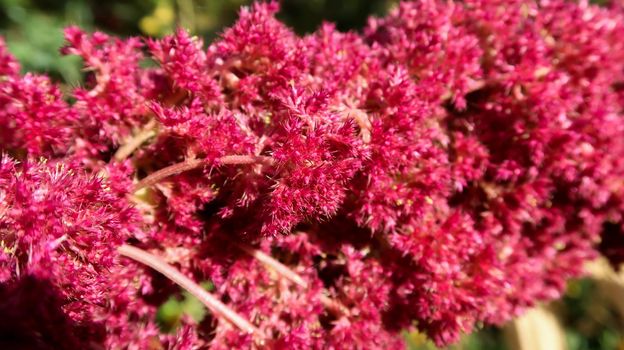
x,y
148,131
211,302
334,306
164,173
191,164
244,159
280,268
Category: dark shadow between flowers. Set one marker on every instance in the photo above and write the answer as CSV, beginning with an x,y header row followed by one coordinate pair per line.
x,y
33,319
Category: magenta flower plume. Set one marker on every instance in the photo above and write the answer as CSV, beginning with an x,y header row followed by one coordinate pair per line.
x,y
114,99
451,165
35,119
60,231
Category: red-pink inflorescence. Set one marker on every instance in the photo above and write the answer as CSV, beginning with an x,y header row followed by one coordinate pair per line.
x,y
452,165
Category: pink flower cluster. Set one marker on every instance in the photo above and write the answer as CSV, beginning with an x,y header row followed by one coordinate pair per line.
x,y
451,165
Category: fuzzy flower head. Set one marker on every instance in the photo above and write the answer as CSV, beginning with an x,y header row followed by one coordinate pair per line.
x,y
59,230
452,165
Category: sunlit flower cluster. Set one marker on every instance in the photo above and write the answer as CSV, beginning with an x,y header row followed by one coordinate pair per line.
x,y
450,165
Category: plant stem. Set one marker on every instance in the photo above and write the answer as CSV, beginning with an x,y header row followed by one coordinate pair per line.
x,y
280,268
334,306
171,170
244,159
148,131
191,164
284,271
211,302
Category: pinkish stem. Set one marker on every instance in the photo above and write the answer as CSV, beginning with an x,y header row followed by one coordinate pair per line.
x,y
164,173
191,164
280,268
244,159
334,306
283,270
148,131
211,302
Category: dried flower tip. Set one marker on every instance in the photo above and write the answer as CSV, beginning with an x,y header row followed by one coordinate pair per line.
x,y
361,118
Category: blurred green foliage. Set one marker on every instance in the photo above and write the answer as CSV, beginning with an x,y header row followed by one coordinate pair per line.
x,y
590,317
489,338
172,311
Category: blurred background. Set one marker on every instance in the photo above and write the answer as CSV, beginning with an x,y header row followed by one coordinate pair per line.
x,y
33,28
591,314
